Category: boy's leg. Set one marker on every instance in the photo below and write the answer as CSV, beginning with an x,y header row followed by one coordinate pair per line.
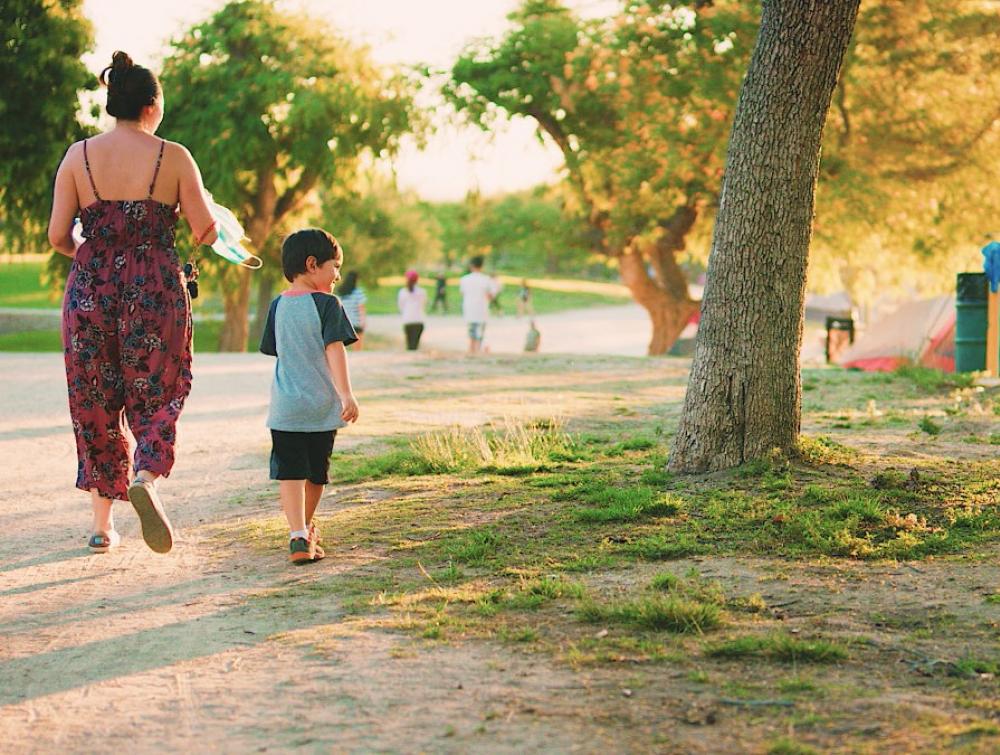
x,y
291,493
313,493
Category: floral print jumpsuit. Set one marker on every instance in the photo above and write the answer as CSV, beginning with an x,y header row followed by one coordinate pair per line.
x,y
126,332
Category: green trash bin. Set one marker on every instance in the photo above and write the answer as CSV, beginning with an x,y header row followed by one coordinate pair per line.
x,y
970,322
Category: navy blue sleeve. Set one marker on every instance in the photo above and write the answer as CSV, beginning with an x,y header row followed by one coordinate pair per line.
x,y
268,342
333,320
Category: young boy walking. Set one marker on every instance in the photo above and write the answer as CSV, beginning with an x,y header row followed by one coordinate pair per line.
x,y
311,396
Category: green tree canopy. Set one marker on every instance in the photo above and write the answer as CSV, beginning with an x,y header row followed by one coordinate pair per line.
x,y
383,231
640,105
274,105
910,176
41,77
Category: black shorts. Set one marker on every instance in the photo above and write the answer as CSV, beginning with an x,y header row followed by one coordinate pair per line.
x,y
301,456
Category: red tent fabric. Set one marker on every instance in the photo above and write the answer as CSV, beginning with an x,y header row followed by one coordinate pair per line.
x,y
918,332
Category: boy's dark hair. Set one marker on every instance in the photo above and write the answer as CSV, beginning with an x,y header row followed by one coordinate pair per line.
x,y
477,262
309,242
130,87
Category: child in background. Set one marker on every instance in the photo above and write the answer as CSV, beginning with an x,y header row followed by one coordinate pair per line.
x,y
311,396
354,298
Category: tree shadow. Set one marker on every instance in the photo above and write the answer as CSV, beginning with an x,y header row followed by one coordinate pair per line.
x,y
46,585
48,558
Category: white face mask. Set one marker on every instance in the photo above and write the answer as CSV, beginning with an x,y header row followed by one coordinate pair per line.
x,y
229,235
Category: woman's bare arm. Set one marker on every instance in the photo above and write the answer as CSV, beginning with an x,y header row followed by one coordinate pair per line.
x,y
65,205
193,201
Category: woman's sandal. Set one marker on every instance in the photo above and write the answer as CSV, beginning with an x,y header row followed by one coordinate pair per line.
x,y
156,529
101,543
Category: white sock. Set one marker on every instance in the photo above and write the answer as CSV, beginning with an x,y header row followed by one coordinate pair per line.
x,y
304,534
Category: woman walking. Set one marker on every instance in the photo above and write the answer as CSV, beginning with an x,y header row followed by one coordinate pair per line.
x,y
126,312
411,300
353,297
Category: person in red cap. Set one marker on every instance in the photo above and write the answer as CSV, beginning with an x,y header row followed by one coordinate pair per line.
x,y
412,300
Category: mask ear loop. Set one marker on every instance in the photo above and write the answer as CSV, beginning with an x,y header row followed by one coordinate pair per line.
x,y
258,266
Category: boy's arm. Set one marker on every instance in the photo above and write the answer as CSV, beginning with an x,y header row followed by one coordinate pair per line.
x,y
268,341
336,360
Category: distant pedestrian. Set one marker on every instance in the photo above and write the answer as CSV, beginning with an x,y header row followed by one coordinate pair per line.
x,y
524,303
477,292
353,297
440,294
411,300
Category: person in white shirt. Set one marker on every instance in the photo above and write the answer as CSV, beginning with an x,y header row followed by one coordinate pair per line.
x,y
411,301
477,292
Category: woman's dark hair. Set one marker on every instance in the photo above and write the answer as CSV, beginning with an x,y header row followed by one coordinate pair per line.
x,y
130,87
309,242
350,283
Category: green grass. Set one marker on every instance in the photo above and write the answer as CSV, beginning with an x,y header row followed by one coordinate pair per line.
x,y
206,339
778,647
506,448
382,300
21,286
671,614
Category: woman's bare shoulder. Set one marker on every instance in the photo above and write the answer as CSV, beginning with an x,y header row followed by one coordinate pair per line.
x,y
176,151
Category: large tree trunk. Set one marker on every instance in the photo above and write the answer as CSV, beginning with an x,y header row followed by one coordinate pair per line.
x,y
664,295
236,298
236,301
744,394
668,310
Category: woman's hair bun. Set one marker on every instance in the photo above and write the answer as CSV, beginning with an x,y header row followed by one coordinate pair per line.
x,y
130,87
114,74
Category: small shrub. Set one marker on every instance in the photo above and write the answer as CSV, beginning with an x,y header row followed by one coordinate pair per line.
x,y
823,450
474,548
660,548
664,582
663,614
929,426
780,648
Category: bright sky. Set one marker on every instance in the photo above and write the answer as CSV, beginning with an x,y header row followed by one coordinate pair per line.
x,y
456,159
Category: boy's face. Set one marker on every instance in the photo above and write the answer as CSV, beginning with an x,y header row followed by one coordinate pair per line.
x,y
325,275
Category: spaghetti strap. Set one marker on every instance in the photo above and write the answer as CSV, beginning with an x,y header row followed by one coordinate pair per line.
x,y
86,164
156,172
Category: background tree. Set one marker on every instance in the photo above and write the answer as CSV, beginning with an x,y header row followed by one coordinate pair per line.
x,y
41,77
275,105
386,229
909,180
639,104
529,232
744,392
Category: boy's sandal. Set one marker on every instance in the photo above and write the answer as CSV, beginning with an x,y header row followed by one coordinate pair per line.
x,y
156,529
314,534
102,543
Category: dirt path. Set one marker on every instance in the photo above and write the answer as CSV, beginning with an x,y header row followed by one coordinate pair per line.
x,y
207,649
132,650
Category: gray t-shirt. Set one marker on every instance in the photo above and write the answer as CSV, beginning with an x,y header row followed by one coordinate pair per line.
x,y
298,329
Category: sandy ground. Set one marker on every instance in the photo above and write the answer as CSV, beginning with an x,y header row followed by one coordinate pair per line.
x,y
171,653
202,651
618,330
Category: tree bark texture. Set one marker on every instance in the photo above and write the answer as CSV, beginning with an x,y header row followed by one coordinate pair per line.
x,y
650,273
655,280
744,392
235,301
236,298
